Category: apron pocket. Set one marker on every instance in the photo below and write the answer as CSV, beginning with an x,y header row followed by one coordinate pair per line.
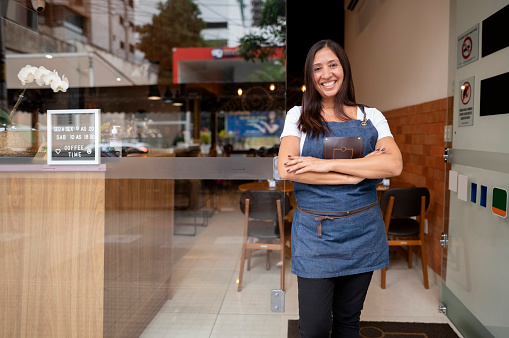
x,y
340,237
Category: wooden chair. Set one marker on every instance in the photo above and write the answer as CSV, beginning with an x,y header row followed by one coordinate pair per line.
x,y
193,205
264,227
404,216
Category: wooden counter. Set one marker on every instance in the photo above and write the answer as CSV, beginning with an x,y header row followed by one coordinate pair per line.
x,y
284,186
138,253
82,255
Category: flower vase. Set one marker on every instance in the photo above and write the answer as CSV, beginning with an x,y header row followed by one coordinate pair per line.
x,y
14,143
204,148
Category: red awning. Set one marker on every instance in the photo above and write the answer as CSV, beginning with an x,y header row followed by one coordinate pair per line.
x,y
217,65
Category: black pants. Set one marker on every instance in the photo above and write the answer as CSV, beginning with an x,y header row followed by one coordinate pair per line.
x,y
332,304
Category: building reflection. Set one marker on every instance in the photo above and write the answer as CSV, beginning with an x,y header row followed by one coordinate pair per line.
x,y
96,45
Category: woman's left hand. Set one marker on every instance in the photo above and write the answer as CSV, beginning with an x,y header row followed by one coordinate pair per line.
x,y
376,152
302,164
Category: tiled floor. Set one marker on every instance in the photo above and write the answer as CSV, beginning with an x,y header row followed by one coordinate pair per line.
x,y
205,302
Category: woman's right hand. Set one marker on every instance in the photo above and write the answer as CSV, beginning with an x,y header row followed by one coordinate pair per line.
x,y
303,164
306,164
317,170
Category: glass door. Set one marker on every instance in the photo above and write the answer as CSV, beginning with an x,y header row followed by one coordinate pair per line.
x,y
152,236
476,229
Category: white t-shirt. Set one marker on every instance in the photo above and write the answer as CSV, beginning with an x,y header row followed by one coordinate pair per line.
x,y
377,118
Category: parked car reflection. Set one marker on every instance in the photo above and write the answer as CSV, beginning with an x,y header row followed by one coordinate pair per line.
x,y
127,148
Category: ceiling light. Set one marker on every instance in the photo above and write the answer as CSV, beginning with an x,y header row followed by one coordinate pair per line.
x,y
154,93
168,96
177,100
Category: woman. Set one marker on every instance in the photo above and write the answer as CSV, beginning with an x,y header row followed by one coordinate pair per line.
x,y
338,234
270,125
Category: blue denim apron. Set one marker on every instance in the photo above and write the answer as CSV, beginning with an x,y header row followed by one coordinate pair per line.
x,y
338,230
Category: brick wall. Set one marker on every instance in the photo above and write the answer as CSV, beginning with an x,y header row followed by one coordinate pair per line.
x,y
419,133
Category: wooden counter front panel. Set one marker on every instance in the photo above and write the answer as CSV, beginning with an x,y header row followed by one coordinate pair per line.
x,y
82,256
138,253
51,254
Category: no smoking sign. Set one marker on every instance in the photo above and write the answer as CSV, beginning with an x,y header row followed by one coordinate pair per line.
x,y
466,92
466,102
468,47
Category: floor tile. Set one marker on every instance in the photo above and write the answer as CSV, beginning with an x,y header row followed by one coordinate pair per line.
x,y
180,325
204,301
201,299
252,326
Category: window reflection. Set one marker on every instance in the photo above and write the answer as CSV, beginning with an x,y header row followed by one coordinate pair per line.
x,y
95,249
114,52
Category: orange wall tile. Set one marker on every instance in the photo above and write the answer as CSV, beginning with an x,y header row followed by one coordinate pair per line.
x,y
419,132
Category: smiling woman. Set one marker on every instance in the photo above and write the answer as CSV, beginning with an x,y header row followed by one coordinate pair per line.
x,y
328,76
338,234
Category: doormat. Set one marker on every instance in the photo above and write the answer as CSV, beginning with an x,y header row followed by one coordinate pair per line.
x,y
392,330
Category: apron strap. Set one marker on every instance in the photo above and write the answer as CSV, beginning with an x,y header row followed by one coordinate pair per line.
x,y
365,120
321,215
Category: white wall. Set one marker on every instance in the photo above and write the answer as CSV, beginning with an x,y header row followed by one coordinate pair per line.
x,y
479,237
398,50
492,128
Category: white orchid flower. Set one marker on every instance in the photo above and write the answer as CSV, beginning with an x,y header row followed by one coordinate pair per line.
x,y
40,75
27,74
66,83
60,84
51,77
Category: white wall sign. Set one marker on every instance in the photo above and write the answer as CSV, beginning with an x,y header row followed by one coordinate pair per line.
x,y
73,136
466,102
468,47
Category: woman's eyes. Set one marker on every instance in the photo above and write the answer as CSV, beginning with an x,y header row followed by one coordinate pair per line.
x,y
332,65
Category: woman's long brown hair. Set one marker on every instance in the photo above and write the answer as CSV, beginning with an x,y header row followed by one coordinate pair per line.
x,y
311,120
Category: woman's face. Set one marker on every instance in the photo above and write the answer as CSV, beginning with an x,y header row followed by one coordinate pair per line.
x,y
327,73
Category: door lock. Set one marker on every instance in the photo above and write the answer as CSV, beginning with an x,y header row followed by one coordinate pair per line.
x,y
444,241
277,301
446,155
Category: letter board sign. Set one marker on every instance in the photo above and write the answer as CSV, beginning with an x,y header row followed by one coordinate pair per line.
x,y
73,136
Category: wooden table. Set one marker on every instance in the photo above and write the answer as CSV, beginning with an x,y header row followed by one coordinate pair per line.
x,y
287,186
284,186
380,189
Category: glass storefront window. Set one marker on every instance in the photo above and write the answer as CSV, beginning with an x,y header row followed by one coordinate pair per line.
x,y
91,249
145,64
